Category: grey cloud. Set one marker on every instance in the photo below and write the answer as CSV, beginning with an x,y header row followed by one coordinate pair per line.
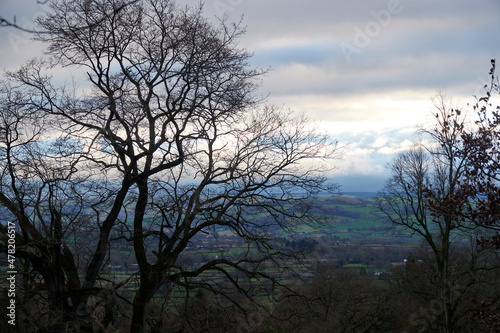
x,y
442,45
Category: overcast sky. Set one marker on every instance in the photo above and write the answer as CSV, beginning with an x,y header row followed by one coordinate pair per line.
x,y
364,70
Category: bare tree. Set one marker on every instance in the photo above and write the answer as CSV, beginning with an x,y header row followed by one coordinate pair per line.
x,y
247,181
426,196
55,198
169,115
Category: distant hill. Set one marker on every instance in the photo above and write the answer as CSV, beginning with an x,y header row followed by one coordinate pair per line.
x,y
360,195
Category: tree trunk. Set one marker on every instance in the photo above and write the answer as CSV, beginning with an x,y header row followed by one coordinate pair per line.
x,y
142,298
148,279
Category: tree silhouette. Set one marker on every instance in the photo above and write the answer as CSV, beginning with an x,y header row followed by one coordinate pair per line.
x,y
162,139
430,194
482,179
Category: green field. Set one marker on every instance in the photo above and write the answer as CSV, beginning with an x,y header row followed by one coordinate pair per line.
x,y
354,235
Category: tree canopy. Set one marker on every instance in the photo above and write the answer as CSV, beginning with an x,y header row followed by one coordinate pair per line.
x,y
160,137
